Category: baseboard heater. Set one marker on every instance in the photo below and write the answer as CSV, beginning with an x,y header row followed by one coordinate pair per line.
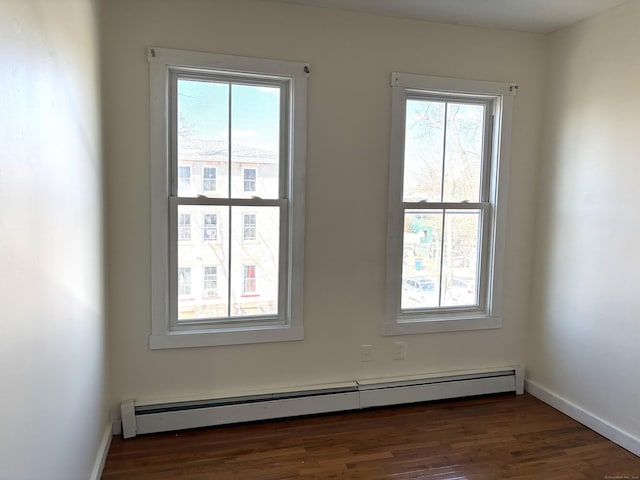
x,y
161,417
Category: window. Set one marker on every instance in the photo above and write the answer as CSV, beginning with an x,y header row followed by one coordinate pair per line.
x,y
249,276
249,227
209,178
184,176
249,175
184,281
202,105
449,156
209,227
184,227
210,282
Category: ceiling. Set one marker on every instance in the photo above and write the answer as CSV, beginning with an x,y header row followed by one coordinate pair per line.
x,y
541,16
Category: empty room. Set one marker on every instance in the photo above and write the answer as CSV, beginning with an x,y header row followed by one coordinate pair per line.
x,y
314,239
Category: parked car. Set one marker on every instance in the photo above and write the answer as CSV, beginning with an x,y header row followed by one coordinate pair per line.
x,y
463,291
419,288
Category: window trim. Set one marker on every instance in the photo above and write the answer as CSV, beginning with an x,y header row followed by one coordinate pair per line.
x,y
162,61
397,322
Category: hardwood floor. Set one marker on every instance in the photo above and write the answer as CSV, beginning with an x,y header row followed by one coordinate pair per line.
x,y
494,437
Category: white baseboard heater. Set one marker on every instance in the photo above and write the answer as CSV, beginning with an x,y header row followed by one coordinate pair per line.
x,y
161,417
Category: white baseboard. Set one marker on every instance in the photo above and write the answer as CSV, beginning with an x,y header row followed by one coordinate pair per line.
x,y
101,455
595,423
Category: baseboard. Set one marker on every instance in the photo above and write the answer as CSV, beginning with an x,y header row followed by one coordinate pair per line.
x,y
151,417
595,423
101,455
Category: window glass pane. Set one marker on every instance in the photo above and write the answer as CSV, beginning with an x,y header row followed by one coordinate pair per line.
x,y
203,136
463,157
206,256
460,258
423,155
254,259
421,259
209,179
255,140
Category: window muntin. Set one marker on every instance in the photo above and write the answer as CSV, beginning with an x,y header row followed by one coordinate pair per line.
x,y
447,157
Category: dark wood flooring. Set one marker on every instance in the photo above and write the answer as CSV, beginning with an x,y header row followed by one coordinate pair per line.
x,y
494,437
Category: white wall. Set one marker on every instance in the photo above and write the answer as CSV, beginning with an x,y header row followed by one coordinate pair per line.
x,y
351,56
583,339
52,349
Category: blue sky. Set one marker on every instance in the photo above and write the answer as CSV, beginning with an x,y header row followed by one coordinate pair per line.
x,y
203,112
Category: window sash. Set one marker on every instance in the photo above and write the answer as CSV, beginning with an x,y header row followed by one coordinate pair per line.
x,y
230,321
483,250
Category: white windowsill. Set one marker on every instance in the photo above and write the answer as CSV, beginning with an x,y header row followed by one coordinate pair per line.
x,y
200,338
406,327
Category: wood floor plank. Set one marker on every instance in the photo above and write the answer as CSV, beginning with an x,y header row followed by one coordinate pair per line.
x,y
485,438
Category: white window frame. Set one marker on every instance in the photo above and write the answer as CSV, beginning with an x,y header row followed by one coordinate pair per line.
x,y
244,179
204,179
287,325
488,313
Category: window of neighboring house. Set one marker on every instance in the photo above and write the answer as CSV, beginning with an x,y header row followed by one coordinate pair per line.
x,y
250,175
184,227
210,282
249,227
184,176
449,157
201,106
209,178
184,281
249,279
209,227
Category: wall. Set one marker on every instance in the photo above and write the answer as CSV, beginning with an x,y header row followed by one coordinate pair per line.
x,y
351,56
583,339
52,354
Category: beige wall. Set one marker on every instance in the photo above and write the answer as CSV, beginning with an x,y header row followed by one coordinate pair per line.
x,y
583,337
351,56
53,372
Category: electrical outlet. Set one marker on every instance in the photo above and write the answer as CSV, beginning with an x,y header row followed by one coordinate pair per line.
x,y
366,353
399,351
